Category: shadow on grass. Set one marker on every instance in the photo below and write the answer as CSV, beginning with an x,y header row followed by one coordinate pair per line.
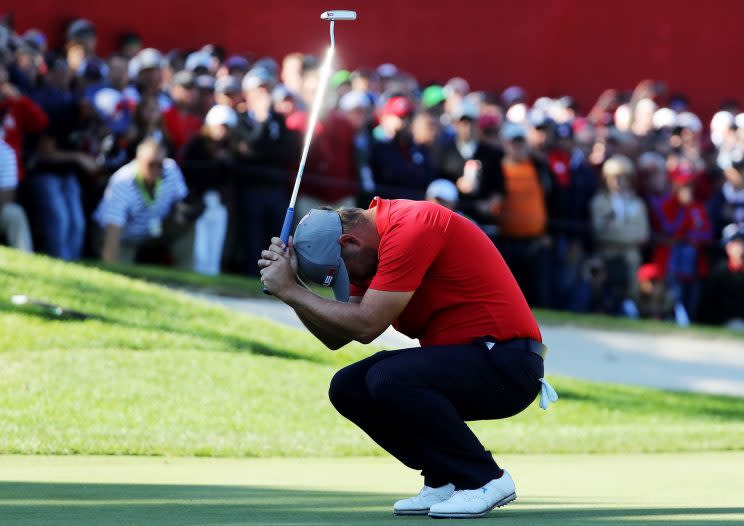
x,y
133,311
31,503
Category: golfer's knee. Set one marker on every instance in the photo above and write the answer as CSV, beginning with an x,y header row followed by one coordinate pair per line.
x,y
343,389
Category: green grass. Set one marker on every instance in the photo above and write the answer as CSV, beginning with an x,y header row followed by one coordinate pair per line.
x,y
159,373
563,490
237,286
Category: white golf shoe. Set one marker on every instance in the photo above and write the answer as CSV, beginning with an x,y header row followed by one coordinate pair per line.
x,y
420,504
469,503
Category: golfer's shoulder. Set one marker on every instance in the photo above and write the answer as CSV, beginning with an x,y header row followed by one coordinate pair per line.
x,y
418,215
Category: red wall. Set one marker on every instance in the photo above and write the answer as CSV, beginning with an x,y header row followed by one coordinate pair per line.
x,y
551,47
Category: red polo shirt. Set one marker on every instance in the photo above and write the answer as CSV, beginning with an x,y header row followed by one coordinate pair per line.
x,y
464,289
18,117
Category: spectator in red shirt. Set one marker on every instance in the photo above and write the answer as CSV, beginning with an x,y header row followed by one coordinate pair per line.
x,y
435,276
19,116
181,121
682,240
332,176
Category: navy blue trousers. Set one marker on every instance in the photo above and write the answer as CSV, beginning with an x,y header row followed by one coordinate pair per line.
x,y
414,403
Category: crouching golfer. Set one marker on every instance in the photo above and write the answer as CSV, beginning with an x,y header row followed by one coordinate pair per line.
x,y
436,277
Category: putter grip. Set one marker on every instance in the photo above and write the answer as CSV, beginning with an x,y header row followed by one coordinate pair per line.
x,y
286,228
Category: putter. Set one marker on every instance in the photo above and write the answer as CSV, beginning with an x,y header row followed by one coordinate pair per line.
x,y
325,73
50,309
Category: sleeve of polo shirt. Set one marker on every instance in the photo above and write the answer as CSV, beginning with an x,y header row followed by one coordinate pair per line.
x,y
406,252
8,168
114,205
180,190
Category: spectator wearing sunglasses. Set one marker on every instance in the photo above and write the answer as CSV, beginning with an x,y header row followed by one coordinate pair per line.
x,y
140,216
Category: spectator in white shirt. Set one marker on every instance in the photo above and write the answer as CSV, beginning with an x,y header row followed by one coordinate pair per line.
x,y
141,209
13,221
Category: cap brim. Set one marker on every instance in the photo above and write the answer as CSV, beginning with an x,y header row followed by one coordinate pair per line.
x,y
341,285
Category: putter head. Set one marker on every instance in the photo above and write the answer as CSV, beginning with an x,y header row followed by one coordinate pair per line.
x,y
338,15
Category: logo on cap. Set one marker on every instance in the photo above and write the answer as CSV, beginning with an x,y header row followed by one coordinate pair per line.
x,y
330,274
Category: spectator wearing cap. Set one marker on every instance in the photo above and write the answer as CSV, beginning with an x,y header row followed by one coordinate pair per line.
x,y
207,160
620,225
356,107
292,71
36,39
284,102
574,184
686,151
473,165
28,59
265,150
205,98
727,204
198,62
341,83
145,71
454,90
173,62
81,43
130,43
400,167
139,214
652,300
433,98
488,127
182,121
386,73
228,92
443,192
513,95
682,240
107,98
539,129
523,238
722,301
14,227
236,66
723,135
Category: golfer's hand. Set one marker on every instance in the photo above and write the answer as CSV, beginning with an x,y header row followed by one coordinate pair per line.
x,y
278,247
278,267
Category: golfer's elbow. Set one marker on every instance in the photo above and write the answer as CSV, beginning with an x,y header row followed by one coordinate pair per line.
x,y
335,345
369,334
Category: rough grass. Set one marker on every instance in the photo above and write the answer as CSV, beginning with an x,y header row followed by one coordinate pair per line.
x,y
236,286
158,373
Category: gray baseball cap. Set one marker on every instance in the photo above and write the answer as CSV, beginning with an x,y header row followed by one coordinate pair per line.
x,y
319,252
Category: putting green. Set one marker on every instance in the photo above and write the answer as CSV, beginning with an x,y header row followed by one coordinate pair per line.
x,y
553,489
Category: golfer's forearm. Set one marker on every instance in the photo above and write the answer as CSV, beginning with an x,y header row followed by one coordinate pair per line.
x,y
346,321
330,340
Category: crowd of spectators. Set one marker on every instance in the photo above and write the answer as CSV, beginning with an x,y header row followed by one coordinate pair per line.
x,y
632,207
